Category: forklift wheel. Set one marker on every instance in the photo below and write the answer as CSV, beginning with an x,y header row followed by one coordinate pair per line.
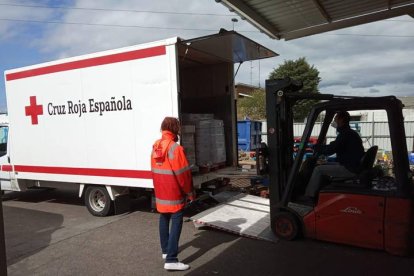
x,y
285,226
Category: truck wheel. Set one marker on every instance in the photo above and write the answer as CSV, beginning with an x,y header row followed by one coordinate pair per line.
x,y
285,226
98,201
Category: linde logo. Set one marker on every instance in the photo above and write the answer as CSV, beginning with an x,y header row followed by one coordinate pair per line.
x,y
352,210
76,108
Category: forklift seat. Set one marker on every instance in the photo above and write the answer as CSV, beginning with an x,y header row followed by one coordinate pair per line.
x,y
368,159
364,174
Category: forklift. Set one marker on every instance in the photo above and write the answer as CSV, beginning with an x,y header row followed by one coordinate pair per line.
x,y
368,210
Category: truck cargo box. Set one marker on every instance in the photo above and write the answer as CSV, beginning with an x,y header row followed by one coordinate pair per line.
x,y
92,119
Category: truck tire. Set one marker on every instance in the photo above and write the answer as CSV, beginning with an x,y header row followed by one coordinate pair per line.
x,y
285,226
98,201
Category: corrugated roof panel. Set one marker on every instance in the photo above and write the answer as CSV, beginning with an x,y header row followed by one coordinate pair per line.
x,y
297,18
396,3
290,15
350,8
264,4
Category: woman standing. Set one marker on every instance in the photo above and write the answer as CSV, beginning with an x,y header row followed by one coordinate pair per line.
x,y
173,186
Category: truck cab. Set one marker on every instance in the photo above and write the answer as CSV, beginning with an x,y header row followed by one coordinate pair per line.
x,y
4,131
5,181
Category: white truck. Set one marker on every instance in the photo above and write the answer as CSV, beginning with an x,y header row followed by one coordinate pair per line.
x,y
90,121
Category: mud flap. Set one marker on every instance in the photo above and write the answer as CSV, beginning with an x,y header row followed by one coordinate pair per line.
x,y
122,204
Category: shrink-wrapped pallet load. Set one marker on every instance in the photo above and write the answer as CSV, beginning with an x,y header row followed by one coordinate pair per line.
x,y
218,146
210,146
188,142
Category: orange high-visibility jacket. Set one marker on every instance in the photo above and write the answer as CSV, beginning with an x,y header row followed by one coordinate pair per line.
x,y
171,175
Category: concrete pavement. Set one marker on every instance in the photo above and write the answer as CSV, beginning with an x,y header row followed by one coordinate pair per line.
x,y
52,233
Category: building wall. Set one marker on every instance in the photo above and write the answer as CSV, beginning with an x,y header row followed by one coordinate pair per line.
x,y
380,115
241,88
372,133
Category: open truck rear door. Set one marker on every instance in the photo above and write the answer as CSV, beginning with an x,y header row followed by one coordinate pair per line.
x,y
230,46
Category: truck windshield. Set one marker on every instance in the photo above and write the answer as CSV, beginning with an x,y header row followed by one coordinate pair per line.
x,y
4,130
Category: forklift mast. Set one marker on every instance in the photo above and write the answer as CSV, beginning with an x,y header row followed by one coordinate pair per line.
x,y
281,96
280,132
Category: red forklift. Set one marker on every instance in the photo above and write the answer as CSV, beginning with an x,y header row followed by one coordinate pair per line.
x,y
368,210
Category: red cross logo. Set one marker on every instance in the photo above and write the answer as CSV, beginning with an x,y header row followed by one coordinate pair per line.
x,y
34,110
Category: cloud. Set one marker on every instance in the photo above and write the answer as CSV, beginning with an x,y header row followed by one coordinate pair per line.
x,y
348,64
357,63
80,39
19,29
363,83
332,82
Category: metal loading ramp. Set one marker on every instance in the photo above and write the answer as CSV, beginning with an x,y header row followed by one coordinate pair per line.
x,y
238,213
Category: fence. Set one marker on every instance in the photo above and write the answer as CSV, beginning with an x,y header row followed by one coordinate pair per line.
x,y
372,133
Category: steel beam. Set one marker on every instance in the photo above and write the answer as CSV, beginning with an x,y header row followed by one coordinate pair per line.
x,y
3,260
386,14
252,16
322,10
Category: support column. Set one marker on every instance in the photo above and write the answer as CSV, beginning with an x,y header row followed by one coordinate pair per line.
x,y
3,261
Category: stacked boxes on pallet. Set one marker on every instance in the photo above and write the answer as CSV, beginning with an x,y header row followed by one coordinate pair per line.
x,y
203,143
187,140
209,139
218,146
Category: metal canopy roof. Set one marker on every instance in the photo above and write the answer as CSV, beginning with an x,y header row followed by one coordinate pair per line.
x,y
293,19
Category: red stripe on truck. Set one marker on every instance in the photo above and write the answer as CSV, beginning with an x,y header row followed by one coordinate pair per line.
x,y
80,171
6,168
90,62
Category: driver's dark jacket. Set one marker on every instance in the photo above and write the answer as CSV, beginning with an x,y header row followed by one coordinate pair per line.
x,y
348,148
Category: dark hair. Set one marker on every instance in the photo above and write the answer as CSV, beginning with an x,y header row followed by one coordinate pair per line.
x,y
171,124
344,115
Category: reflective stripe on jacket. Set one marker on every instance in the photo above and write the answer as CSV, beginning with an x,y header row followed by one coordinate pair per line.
x,y
171,174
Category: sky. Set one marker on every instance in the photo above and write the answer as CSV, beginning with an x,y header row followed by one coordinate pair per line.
x,y
374,59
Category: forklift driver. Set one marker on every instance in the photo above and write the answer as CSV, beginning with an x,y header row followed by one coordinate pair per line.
x,y
349,151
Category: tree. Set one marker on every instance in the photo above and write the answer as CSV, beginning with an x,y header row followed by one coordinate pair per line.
x,y
253,107
300,70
